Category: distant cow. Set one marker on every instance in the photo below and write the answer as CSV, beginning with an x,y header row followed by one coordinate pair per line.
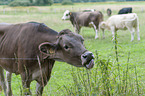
x,y
89,10
122,22
87,19
109,12
31,49
125,10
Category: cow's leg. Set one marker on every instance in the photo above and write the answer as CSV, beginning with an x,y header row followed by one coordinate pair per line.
x,y
8,81
132,32
26,84
95,28
137,30
113,33
39,89
77,29
41,83
103,33
26,88
2,80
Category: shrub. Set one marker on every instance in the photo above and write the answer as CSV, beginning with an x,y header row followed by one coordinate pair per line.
x,y
107,78
1,3
67,2
43,2
19,3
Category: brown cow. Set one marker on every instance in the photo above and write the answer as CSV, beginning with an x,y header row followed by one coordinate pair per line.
x,y
109,12
87,19
30,49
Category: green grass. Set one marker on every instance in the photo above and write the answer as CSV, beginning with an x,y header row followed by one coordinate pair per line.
x,y
61,74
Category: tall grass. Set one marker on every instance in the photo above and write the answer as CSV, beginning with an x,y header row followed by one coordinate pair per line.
x,y
106,79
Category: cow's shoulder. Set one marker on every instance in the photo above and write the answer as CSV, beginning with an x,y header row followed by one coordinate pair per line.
x,y
35,27
96,13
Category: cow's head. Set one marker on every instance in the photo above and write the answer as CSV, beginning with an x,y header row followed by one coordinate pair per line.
x,y
102,25
66,15
68,48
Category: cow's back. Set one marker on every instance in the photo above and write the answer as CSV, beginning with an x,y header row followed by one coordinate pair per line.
x,y
120,21
125,10
84,18
22,41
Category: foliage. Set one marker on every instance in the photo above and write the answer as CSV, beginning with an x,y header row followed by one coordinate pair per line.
x,y
1,3
50,2
43,2
30,2
19,3
106,79
67,2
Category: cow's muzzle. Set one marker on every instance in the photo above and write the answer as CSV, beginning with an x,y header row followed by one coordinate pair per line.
x,y
87,59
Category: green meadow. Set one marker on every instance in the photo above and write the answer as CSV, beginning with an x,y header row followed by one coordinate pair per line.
x,y
125,77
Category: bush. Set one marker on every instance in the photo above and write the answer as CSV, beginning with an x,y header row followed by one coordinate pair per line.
x,y
1,3
19,3
67,2
42,2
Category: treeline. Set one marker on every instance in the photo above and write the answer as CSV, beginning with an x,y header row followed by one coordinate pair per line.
x,y
50,2
26,2
79,1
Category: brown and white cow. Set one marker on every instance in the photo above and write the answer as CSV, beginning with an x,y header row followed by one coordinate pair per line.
x,y
31,49
122,22
86,19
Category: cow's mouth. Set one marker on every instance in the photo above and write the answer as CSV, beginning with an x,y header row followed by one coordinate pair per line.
x,y
88,60
89,64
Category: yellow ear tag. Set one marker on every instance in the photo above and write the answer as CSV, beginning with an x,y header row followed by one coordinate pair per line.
x,y
70,13
51,51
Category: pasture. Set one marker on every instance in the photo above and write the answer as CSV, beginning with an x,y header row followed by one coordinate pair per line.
x,y
65,79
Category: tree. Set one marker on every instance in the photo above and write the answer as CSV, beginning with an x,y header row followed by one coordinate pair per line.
x,y
57,1
49,2
67,2
43,2
31,1
85,0
76,0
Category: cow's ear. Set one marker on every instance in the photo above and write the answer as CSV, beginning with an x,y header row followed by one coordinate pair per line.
x,y
65,31
47,49
102,25
1,33
70,13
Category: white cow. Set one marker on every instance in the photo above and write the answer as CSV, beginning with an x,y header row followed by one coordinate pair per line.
x,y
122,22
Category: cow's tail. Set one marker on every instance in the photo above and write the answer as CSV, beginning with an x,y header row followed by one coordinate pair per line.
x,y
101,16
101,19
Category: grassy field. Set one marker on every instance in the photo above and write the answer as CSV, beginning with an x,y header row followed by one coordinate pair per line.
x,y
62,78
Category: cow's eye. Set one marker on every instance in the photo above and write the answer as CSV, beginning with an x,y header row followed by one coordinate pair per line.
x,y
66,47
82,41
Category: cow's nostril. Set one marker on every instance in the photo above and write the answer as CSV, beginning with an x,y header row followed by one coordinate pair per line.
x,y
85,56
88,56
87,59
